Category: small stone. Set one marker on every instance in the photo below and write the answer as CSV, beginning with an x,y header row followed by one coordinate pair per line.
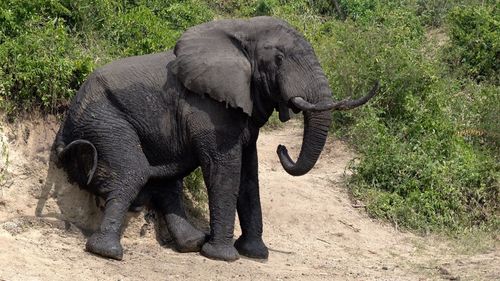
x,y
444,271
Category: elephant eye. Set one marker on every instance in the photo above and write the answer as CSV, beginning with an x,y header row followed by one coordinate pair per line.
x,y
279,59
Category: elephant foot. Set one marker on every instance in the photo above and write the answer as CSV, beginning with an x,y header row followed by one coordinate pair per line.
x,y
105,245
187,238
219,252
191,242
251,247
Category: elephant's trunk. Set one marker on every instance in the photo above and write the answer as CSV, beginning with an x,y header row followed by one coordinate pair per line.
x,y
316,125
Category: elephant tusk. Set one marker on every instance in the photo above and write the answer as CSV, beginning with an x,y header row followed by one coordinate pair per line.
x,y
304,105
346,104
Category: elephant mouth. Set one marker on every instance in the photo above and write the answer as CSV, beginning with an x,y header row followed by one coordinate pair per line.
x,y
285,108
284,112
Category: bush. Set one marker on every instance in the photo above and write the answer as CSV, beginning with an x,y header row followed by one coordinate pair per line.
x,y
41,67
138,27
475,41
48,47
415,168
17,15
195,195
139,31
195,186
184,14
90,16
421,174
433,12
358,9
354,57
476,110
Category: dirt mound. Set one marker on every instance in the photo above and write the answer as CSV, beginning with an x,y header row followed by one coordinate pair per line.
x,y
311,227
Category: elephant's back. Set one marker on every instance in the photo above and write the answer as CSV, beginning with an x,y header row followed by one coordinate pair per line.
x,y
132,85
146,70
121,83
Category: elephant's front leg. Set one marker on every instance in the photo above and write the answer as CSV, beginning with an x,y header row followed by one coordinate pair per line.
x,y
222,177
250,242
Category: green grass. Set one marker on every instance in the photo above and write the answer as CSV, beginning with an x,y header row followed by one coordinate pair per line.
x,y
196,195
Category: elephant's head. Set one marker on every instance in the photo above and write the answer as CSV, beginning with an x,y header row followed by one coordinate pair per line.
x,y
258,65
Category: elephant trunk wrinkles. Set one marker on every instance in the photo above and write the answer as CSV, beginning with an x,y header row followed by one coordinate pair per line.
x,y
316,125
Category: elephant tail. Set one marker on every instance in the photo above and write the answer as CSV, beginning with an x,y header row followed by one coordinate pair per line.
x,y
78,156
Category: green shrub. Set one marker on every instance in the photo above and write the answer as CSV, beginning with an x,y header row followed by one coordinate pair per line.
x,y
353,58
415,168
475,41
195,195
264,8
41,67
184,14
433,12
48,47
139,31
358,9
88,16
323,7
235,8
142,27
17,15
228,7
476,109
195,185
421,174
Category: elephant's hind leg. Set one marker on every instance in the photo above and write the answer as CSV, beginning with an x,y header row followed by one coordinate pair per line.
x,y
168,201
106,240
119,178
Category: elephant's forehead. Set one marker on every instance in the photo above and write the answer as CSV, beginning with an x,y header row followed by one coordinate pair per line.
x,y
285,42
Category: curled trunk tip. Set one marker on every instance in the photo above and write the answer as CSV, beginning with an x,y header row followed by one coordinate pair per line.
x,y
316,125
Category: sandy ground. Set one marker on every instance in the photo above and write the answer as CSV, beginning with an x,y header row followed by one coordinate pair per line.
x,y
314,231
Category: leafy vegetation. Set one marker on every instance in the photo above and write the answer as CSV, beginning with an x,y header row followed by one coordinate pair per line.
x,y
428,143
48,47
40,67
475,41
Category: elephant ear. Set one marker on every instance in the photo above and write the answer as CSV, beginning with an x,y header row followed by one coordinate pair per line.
x,y
211,60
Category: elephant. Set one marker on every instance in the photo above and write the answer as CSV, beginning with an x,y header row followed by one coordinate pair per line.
x,y
137,126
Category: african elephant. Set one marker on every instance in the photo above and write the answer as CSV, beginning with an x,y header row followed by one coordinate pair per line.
x,y
139,125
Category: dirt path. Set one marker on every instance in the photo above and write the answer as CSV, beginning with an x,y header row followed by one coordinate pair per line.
x,y
311,227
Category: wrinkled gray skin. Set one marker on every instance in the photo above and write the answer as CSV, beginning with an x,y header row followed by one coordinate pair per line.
x,y
139,125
